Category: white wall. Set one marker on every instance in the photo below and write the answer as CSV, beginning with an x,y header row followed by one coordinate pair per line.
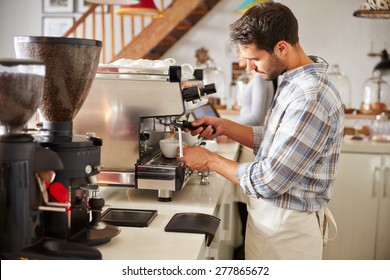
x,y
327,29
18,17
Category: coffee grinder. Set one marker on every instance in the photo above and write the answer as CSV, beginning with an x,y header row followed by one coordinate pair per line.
x,y
21,158
71,65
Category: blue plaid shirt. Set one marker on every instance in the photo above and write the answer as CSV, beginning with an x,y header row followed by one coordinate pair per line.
x,y
298,148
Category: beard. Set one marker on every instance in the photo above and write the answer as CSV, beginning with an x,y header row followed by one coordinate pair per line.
x,y
275,68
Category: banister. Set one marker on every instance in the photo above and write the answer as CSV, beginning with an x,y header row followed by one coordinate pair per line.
x,y
137,36
84,24
81,20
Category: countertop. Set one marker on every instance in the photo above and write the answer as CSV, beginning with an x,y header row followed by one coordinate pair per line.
x,y
152,242
364,146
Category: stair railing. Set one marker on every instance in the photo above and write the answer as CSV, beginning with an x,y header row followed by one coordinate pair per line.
x,y
100,22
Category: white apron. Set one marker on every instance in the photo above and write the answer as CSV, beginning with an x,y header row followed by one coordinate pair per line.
x,y
275,233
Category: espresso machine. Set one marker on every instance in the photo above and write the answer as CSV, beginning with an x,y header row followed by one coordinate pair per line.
x,y
71,65
132,110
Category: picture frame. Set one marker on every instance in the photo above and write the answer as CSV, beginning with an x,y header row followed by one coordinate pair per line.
x,y
58,6
56,26
83,5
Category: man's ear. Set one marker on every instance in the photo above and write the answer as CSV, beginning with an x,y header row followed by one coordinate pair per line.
x,y
281,48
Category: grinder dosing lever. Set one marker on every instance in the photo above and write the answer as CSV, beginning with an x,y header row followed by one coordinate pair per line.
x,y
197,92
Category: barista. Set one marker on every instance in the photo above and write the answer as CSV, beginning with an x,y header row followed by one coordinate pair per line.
x,y
254,96
291,179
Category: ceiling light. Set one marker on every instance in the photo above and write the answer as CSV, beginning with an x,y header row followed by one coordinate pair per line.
x,y
143,8
113,2
374,9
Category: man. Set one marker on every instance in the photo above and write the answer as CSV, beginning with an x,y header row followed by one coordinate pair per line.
x,y
297,150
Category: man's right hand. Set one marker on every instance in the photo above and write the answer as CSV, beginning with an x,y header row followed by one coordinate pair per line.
x,y
214,127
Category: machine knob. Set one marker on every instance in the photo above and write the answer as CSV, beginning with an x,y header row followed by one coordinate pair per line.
x,y
96,204
191,93
195,92
209,89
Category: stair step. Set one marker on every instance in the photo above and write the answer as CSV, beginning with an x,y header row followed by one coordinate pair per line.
x,y
169,40
202,9
210,3
184,25
152,56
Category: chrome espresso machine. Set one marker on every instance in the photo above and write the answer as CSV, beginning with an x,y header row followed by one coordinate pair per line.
x,y
131,110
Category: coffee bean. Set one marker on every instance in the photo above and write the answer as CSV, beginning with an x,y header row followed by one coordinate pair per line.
x,y
70,70
20,96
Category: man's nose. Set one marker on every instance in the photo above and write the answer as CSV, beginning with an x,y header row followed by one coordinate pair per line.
x,y
250,65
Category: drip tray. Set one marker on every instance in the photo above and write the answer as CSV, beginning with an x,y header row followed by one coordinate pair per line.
x,y
128,217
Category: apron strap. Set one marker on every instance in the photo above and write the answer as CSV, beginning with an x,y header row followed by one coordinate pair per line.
x,y
324,218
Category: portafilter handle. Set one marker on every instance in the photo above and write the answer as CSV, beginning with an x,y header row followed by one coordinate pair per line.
x,y
188,125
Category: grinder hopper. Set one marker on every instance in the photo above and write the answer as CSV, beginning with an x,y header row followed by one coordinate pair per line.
x,y
21,90
71,65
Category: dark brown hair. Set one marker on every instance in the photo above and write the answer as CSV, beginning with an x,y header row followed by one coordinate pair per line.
x,y
264,25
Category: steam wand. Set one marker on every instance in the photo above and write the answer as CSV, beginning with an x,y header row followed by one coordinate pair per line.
x,y
180,142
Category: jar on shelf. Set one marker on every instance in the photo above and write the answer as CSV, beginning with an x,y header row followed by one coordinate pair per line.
x,y
376,95
380,128
213,75
240,84
342,83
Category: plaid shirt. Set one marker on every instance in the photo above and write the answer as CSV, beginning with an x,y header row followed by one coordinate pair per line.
x,y
299,146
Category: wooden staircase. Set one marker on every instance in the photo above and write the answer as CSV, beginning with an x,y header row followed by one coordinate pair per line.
x,y
136,37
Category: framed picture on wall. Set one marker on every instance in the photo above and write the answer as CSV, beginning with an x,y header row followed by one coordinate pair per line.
x,y
56,26
83,6
58,6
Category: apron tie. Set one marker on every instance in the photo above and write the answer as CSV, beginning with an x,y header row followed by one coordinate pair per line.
x,y
324,218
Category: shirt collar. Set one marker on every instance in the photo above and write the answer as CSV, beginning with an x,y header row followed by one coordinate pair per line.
x,y
319,66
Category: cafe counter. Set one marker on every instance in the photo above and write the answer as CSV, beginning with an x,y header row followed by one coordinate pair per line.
x,y
153,242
